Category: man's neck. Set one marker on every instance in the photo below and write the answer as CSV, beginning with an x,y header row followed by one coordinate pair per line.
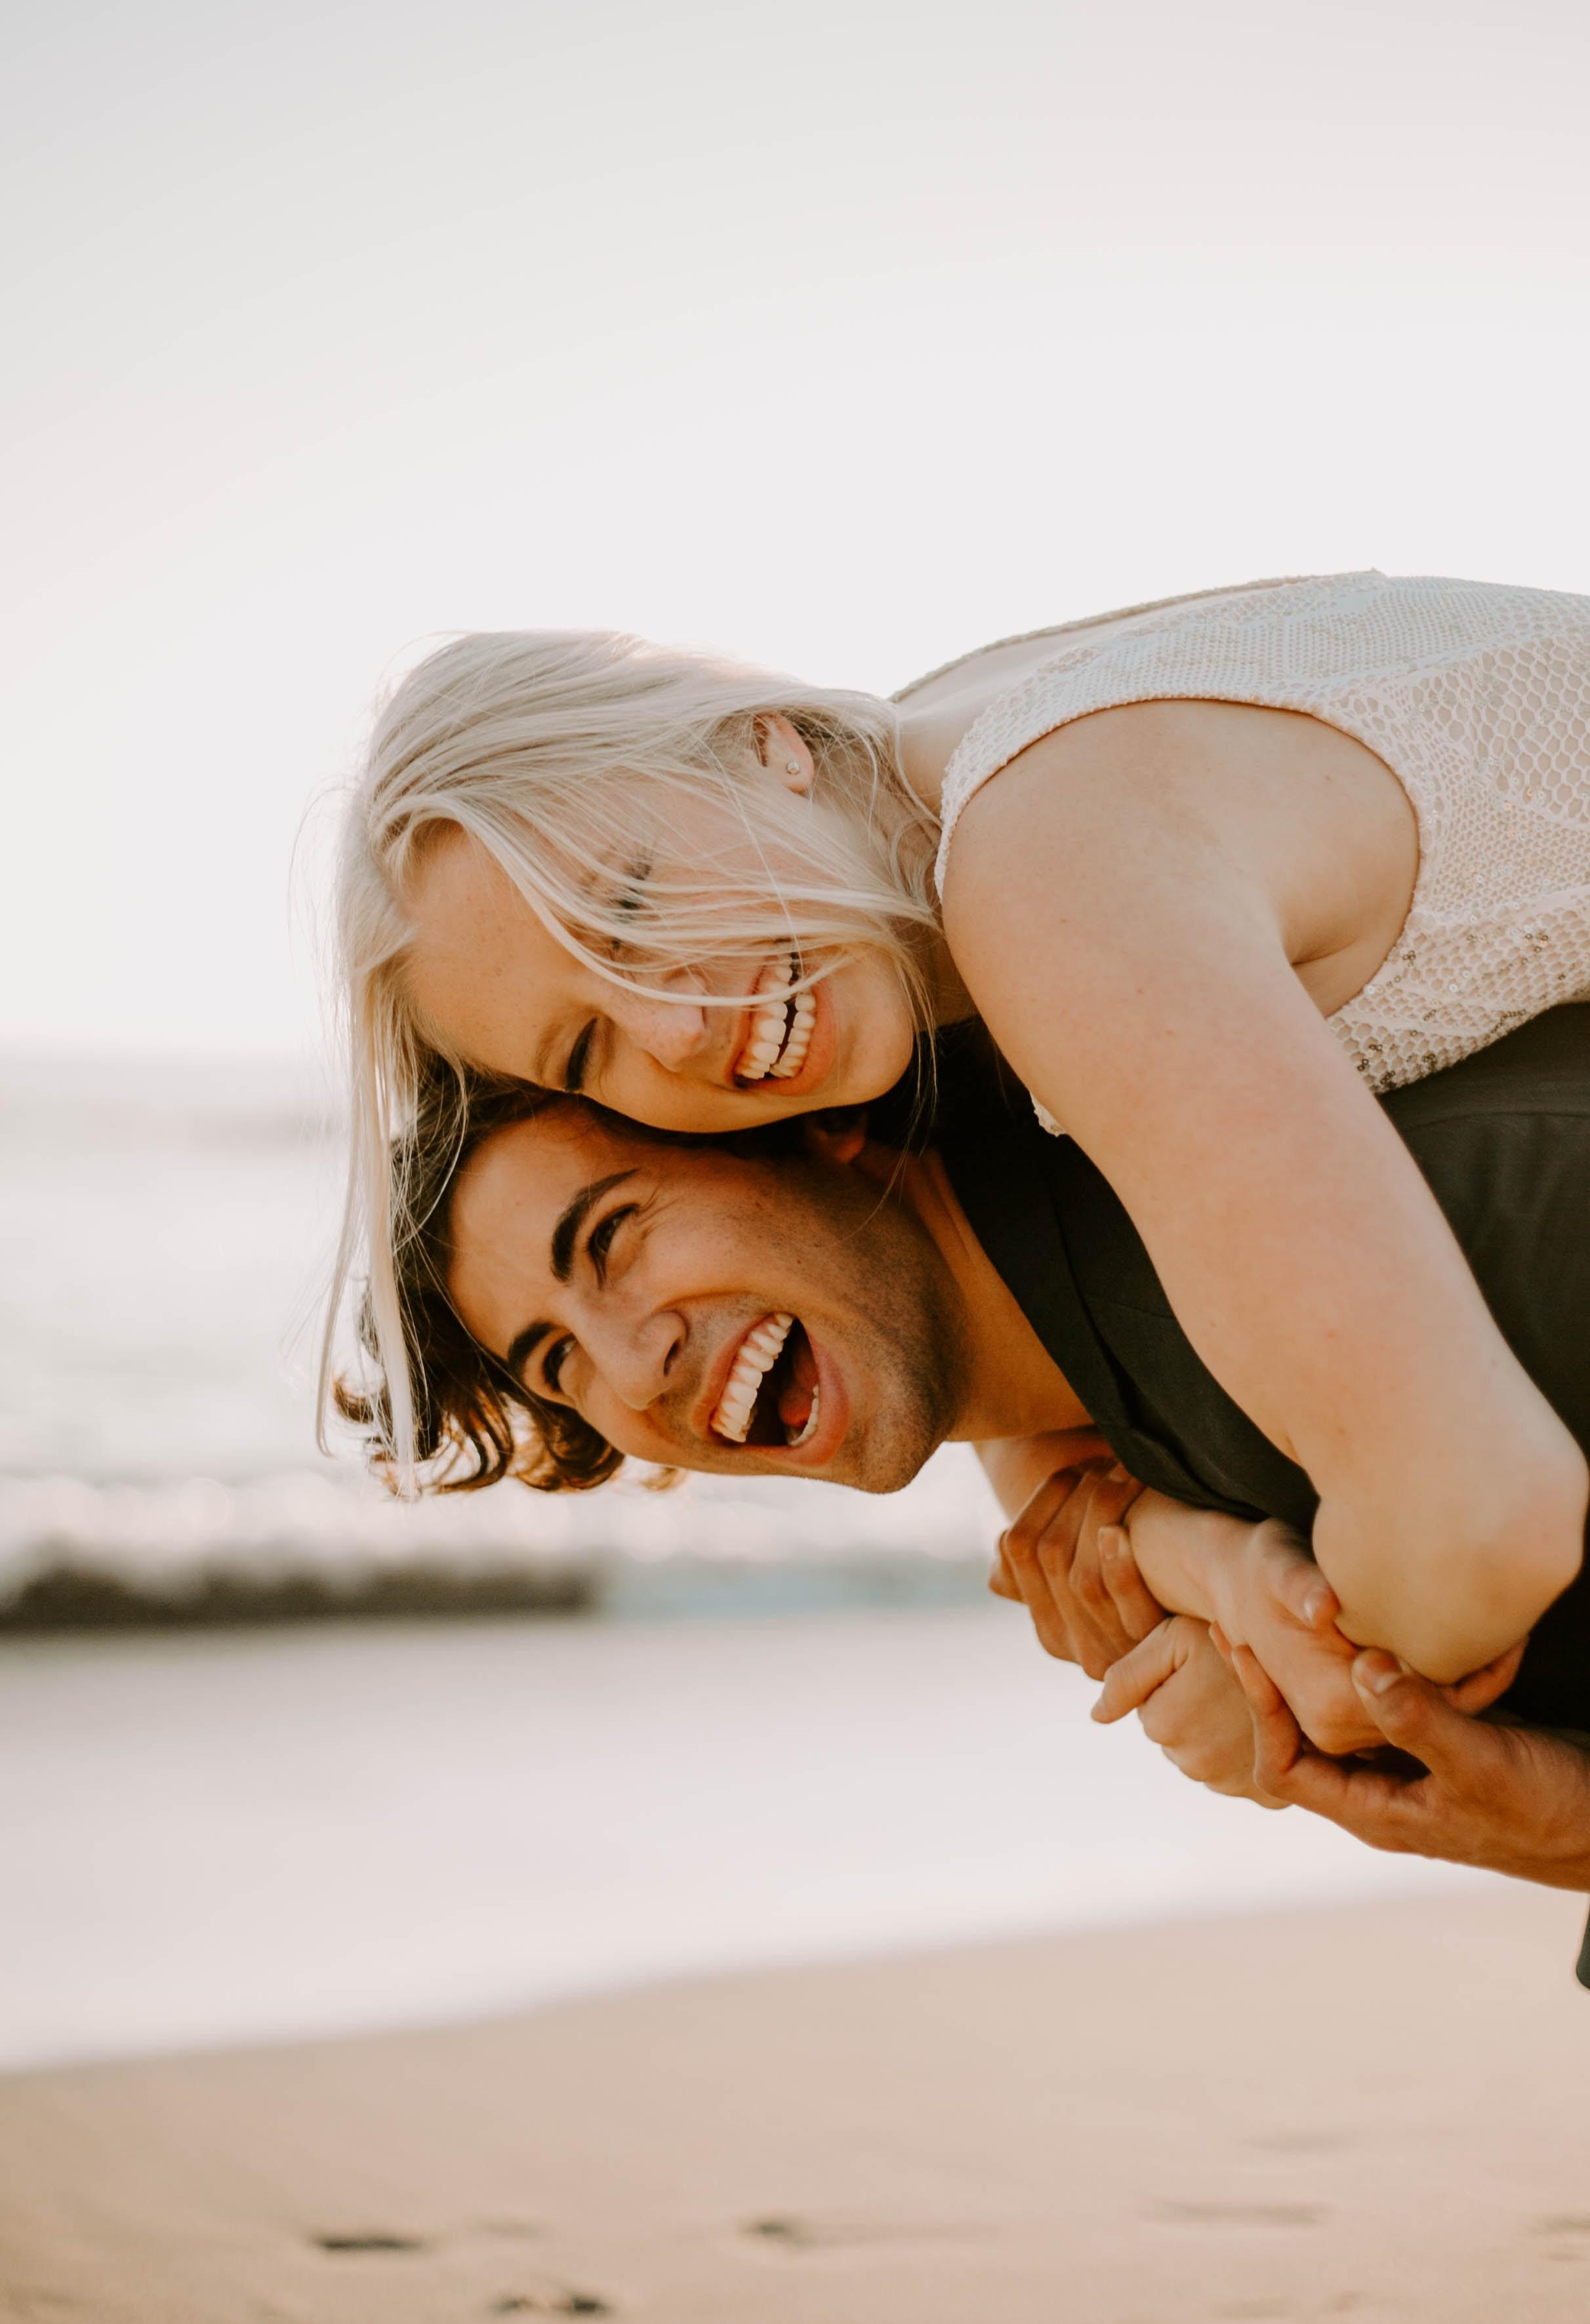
x,y
1014,1387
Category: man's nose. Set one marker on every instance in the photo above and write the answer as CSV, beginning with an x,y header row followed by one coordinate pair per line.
x,y
672,1031
638,1355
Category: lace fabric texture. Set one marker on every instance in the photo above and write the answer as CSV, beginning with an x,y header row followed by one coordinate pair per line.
x,y
1476,694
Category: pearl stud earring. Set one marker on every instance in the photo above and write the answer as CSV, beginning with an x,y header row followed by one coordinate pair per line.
x,y
793,766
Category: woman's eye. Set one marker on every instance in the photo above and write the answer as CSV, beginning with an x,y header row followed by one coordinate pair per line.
x,y
579,1059
630,900
551,1366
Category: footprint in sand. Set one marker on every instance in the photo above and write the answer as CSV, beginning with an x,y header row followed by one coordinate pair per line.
x,y
368,2243
1566,2234
795,2234
552,2303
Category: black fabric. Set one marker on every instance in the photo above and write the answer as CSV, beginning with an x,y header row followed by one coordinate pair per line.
x,y
1502,1139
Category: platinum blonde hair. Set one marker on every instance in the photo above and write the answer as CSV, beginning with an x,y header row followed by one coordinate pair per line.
x,y
570,756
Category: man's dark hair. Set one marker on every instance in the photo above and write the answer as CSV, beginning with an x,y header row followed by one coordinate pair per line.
x,y
475,1423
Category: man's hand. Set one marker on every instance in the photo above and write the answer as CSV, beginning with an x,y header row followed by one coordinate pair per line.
x,y
1508,1799
1187,1701
1067,1559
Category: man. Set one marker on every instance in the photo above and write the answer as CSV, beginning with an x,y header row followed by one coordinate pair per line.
x,y
839,1311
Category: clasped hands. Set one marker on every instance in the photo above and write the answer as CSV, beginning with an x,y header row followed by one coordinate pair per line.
x,y
1231,1697
1216,1689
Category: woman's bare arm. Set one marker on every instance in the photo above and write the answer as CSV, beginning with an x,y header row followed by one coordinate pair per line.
x,y
1135,961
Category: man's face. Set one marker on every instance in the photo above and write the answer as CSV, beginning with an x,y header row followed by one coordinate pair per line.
x,y
649,1286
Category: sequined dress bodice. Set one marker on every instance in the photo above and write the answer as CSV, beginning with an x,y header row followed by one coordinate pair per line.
x,y
1476,694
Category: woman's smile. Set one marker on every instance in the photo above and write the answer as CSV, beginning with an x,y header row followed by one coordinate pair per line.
x,y
780,1027
495,988
801,1030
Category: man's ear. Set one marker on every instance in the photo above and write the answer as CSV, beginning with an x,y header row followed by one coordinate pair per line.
x,y
836,1135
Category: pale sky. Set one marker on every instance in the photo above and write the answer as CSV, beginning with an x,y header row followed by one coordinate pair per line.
x,y
846,336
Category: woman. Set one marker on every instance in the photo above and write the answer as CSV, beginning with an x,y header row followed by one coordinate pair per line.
x,y
1249,857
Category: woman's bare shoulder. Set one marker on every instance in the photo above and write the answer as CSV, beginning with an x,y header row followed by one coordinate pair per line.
x,y
1152,794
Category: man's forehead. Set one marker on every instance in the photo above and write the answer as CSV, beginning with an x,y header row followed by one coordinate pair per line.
x,y
512,1196
537,1165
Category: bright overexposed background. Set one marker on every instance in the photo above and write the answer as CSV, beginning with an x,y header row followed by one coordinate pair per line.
x,y
845,336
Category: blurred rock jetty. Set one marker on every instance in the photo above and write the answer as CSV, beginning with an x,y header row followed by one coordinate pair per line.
x,y
165,1229
79,1553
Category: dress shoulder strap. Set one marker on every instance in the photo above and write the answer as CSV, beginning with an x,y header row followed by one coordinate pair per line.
x,y
1084,621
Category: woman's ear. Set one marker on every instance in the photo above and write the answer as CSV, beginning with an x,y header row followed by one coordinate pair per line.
x,y
784,753
835,1135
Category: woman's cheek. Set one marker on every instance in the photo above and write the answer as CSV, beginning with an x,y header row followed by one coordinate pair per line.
x,y
647,1092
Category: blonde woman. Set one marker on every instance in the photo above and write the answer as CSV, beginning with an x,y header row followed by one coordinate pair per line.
x,y
1211,871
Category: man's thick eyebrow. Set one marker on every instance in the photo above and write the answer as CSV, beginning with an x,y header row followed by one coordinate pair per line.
x,y
518,1355
523,1345
574,1218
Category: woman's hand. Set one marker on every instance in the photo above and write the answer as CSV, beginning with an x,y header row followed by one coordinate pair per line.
x,y
1067,1559
1189,1701
1270,1597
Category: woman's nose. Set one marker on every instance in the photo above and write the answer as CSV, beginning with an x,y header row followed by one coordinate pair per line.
x,y
674,1032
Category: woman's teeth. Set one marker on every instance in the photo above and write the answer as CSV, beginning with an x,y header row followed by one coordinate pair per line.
x,y
781,1031
800,1038
759,1353
808,1426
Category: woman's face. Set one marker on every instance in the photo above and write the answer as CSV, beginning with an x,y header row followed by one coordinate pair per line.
x,y
494,987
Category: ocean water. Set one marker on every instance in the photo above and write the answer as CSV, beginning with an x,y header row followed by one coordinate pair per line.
x,y
165,1228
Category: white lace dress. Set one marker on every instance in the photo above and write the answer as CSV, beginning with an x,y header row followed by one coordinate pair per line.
x,y
1476,696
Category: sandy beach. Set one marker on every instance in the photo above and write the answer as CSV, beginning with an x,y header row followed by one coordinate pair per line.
x,y
1372,2111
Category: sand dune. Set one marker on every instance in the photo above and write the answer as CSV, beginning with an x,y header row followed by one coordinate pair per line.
x,y
1372,2112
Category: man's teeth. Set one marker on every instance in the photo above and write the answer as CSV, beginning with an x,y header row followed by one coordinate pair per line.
x,y
780,1035
759,1353
792,1437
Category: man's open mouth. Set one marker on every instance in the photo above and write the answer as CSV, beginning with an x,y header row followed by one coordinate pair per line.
x,y
770,1395
781,1026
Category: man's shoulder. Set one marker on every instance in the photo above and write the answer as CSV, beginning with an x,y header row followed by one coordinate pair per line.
x,y
1542,1069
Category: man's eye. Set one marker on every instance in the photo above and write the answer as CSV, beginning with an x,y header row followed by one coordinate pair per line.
x,y
601,1240
551,1366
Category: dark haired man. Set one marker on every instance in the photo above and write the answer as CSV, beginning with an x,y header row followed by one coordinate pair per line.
x,y
840,1312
